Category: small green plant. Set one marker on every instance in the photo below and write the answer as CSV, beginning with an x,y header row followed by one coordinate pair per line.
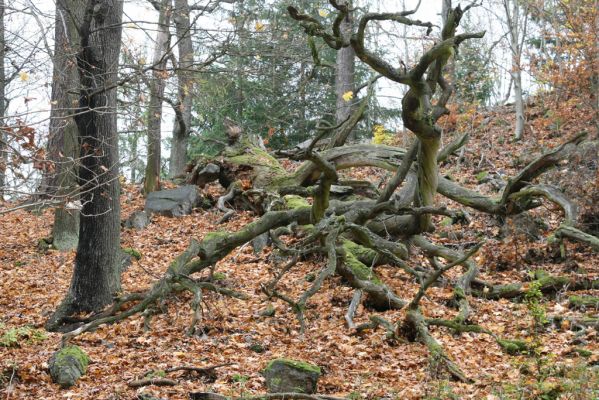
x,y
14,337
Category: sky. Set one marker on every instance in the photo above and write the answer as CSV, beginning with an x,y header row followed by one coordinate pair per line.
x,y
33,27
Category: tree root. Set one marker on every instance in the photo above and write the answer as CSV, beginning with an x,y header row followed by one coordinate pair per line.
x,y
548,284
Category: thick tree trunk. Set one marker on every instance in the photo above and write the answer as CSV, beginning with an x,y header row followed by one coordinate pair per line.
x,y
182,127
157,84
63,147
96,277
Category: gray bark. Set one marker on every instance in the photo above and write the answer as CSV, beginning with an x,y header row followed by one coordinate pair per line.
x,y
345,73
182,127
63,148
517,31
157,84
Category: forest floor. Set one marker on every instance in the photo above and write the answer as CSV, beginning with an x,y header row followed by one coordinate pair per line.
x,y
364,366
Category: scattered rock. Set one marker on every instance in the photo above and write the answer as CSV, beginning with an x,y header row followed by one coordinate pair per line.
x,y
138,220
290,376
67,365
174,202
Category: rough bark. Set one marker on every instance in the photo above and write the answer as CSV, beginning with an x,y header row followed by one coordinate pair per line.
x,y
96,276
157,84
182,128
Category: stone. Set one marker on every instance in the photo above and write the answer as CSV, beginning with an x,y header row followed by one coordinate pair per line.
x,y
67,365
174,202
290,376
138,220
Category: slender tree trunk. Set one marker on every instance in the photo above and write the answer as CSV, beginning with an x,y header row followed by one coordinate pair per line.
x,y
152,176
63,146
514,19
345,73
96,277
182,128
3,152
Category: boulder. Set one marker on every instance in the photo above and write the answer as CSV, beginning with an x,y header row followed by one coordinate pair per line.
x,y
174,202
67,365
138,220
290,376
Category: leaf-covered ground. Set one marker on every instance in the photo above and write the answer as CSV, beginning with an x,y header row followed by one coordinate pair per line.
x,y
32,283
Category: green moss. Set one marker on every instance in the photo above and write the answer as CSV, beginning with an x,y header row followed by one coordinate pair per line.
x,y
584,302
219,276
217,235
293,201
132,252
360,270
482,175
363,254
513,347
583,352
156,374
300,365
253,156
69,353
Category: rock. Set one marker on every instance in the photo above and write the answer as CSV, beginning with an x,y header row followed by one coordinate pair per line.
x,y
290,376
138,220
67,365
174,202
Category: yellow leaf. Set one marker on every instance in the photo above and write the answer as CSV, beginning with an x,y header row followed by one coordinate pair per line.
x,y
259,26
323,13
24,76
347,96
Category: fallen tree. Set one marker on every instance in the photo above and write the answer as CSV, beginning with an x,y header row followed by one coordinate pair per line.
x,y
355,234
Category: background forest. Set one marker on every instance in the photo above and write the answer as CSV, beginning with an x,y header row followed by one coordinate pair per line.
x,y
334,199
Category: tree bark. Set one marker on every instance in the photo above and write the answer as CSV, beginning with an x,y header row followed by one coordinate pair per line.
x,y
157,84
96,277
62,146
345,71
3,153
514,19
182,127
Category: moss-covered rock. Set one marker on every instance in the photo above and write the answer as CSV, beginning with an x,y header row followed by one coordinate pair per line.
x,y
285,375
513,347
132,253
67,365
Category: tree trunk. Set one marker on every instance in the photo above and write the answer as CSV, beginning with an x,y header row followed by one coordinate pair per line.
x,y
152,177
62,145
514,19
96,277
3,153
344,73
184,75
